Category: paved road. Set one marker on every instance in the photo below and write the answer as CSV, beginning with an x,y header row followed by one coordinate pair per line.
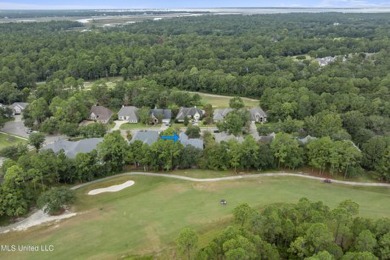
x,y
240,177
15,127
222,96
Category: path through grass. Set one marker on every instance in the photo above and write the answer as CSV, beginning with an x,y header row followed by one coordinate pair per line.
x,y
147,217
8,140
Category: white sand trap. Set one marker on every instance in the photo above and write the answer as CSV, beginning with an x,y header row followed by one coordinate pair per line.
x,y
113,188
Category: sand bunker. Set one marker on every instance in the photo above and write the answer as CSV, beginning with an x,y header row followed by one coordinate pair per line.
x,y
113,188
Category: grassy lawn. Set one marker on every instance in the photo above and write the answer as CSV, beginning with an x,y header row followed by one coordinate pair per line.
x,y
8,140
110,81
219,101
203,174
147,217
128,126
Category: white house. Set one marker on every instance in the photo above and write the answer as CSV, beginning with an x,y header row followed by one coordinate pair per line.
x,y
129,114
18,107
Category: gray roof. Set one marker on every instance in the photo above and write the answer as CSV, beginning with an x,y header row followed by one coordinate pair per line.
x,y
219,137
266,139
219,114
22,105
146,136
257,111
71,149
188,111
165,113
195,142
102,113
326,60
306,139
129,111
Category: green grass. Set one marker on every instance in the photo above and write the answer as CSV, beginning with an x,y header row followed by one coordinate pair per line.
x,y
219,101
9,140
204,174
110,82
128,126
147,217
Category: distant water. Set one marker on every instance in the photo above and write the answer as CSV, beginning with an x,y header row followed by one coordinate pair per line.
x,y
263,10
292,10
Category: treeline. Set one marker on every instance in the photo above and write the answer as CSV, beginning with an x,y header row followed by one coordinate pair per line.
x,y
305,230
28,174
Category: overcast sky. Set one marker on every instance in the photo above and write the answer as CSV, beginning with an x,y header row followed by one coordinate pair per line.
x,y
113,4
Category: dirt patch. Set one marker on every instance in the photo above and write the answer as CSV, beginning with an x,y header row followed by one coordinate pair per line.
x,y
153,237
214,186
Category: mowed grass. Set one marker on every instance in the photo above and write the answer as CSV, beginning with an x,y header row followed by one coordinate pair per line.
x,y
128,126
147,217
219,101
8,140
110,81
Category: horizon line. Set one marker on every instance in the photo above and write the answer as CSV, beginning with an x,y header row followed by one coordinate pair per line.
x,y
181,8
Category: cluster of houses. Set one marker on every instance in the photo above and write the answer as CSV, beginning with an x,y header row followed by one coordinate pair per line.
x,y
130,114
157,115
257,115
71,149
194,114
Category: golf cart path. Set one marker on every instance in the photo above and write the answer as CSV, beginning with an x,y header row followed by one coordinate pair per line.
x,y
39,217
239,177
221,96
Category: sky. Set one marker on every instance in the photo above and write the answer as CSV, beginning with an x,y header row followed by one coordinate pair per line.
x,y
130,4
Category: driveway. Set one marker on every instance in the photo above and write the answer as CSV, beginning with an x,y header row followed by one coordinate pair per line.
x,y
117,125
15,127
253,131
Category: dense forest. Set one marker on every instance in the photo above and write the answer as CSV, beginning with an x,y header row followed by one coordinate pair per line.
x,y
269,57
345,104
305,230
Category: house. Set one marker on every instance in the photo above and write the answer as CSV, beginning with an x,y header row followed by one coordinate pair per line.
x,y
71,149
224,137
100,114
18,107
325,61
258,115
190,112
129,114
146,136
219,114
195,142
163,115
